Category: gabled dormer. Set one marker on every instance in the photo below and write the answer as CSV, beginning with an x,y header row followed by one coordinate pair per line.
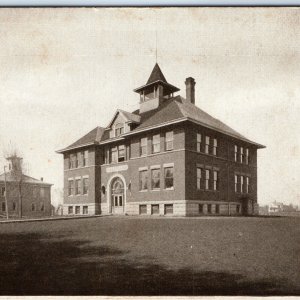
x,y
155,91
122,122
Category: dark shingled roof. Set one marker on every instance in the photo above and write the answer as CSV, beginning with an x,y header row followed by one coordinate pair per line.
x,y
93,137
26,179
156,75
180,108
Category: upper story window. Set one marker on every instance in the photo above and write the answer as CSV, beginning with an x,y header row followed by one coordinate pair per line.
x,y
156,143
207,139
78,186
199,140
70,187
143,146
114,155
42,192
85,186
242,155
235,152
155,179
169,140
215,145
143,180
169,177
216,180
72,161
119,129
235,183
207,179
117,154
121,153
77,159
3,191
247,156
199,178
242,183
85,157
247,184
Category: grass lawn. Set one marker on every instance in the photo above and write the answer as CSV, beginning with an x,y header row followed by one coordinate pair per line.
x,y
152,256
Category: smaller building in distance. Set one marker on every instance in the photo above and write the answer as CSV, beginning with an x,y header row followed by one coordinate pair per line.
x,y
22,195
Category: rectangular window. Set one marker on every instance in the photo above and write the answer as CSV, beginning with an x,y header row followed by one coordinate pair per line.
x,y
69,157
168,209
119,129
235,183
242,184
215,147
143,147
247,157
3,206
207,144
78,186
72,161
42,192
77,210
154,209
14,207
209,208
155,179
242,155
85,210
200,208
85,158
3,191
33,206
156,143
143,209
143,180
114,155
85,186
207,179
169,140
216,180
217,208
121,153
235,152
169,178
77,158
199,179
247,184
199,139
70,187
70,210
42,206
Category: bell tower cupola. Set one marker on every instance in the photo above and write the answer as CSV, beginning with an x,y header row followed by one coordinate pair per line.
x,y
155,91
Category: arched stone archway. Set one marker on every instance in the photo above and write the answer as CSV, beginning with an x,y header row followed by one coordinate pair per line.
x,y
116,197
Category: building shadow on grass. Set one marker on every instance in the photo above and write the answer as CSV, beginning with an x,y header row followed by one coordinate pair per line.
x,y
33,265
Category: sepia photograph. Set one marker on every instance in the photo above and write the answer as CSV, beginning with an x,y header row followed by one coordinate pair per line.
x,y
150,151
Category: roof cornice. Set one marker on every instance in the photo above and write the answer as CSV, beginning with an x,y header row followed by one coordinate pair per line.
x,y
76,147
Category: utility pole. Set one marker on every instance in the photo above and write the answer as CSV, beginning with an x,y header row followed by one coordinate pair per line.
x,y
5,193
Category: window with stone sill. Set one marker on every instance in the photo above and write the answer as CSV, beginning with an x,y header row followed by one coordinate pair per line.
x,y
169,141
169,177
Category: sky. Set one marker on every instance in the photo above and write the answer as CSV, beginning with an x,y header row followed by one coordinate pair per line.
x,y
64,71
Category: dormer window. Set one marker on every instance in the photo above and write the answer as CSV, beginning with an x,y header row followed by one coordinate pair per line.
x,y
119,129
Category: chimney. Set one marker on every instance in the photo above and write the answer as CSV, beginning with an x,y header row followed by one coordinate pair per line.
x,y
190,89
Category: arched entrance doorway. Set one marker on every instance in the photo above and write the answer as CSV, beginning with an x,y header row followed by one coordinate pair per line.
x,y
117,196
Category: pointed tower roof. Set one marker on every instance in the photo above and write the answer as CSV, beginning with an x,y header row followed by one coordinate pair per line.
x,y
157,76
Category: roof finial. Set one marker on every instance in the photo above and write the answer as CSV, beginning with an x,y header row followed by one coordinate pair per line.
x,y
155,38
156,46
